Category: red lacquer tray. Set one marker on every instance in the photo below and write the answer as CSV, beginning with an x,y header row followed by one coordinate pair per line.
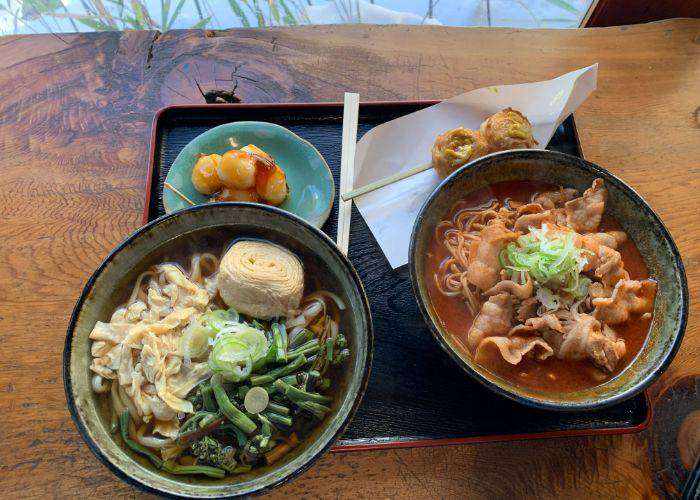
x,y
417,396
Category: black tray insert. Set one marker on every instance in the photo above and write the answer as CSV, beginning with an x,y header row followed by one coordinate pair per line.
x,y
416,392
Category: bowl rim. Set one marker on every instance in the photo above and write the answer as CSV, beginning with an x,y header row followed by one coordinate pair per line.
x,y
467,171
67,358
323,217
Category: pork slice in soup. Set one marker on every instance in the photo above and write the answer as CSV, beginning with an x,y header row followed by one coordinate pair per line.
x,y
540,285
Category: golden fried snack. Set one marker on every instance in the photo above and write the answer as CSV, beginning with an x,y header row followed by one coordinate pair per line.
x,y
507,129
454,148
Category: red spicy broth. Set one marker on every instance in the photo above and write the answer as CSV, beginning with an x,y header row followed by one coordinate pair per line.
x,y
551,374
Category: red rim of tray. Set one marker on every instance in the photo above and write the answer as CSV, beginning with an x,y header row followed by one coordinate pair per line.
x,y
407,443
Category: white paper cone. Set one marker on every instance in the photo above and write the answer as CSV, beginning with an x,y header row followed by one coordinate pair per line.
x,y
406,142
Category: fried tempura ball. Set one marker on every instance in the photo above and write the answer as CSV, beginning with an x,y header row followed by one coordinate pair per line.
x,y
204,174
237,170
271,184
228,194
456,147
507,129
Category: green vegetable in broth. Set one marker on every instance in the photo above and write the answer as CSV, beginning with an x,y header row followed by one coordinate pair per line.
x,y
238,348
220,318
551,258
195,339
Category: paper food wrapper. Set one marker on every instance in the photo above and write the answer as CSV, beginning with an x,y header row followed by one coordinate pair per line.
x,y
406,142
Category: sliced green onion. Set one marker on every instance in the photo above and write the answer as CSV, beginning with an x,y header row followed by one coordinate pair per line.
x,y
231,359
220,318
551,258
547,298
194,342
238,349
256,400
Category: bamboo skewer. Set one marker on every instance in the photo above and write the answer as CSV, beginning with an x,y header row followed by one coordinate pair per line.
x,y
351,108
373,186
174,190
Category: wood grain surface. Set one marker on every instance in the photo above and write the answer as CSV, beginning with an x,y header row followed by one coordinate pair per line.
x,y
75,116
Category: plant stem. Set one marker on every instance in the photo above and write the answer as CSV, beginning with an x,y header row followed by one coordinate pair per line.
x,y
270,376
297,395
236,416
279,419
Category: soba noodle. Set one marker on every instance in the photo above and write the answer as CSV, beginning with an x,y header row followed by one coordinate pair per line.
x,y
456,234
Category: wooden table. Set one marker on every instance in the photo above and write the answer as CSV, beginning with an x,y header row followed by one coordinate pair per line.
x,y
75,117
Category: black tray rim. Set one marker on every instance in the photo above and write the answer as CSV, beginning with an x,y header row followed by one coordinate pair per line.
x,y
373,444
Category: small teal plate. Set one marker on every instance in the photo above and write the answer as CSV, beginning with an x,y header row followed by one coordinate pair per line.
x,y
311,187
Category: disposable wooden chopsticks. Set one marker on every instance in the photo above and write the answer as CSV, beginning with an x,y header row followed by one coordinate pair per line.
x,y
351,108
373,186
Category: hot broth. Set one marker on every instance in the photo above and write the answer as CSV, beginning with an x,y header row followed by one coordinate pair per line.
x,y
552,373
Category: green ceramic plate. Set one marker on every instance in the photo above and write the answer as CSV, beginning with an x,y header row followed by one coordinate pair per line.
x,y
311,187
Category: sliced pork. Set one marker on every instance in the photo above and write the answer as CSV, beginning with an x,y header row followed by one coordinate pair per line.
x,y
527,221
583,214
513,349
555,199
484,265
628,297
517,290
538,324
584,338
494,319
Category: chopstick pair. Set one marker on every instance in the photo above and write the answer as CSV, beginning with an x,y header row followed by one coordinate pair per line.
x,y
351,105
351,110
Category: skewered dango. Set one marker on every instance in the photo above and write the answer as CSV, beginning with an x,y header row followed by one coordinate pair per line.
x,y
248,174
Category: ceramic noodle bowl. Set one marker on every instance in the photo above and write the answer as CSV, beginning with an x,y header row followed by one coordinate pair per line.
x,y
198,229
638,220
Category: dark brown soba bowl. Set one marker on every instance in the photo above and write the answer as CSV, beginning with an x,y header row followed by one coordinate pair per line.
x,y
210,227
639,221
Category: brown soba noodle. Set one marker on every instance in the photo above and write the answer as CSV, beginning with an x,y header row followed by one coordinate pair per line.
x,y
457,234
